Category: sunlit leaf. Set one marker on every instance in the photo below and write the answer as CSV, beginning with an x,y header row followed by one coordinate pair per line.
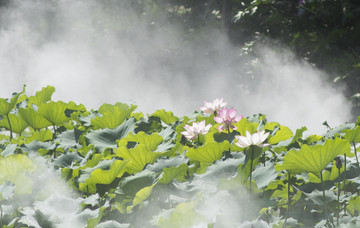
x,y
150,141
327,176
174,173
353,135
34,119
166,117
138,157
54,112
42,135
209,153
130,185
106,138
15,169
183,215
113,115
282,134
245,125
6,105
18,124
107,176
314,158
354,203
42,96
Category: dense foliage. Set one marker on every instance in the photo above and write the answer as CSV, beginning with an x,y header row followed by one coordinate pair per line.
x,y
213,168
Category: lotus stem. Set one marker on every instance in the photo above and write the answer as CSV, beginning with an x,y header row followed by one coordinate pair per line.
x,y
288,190
325,204
10,128
54,134
338,198
344,180
251,165
357,160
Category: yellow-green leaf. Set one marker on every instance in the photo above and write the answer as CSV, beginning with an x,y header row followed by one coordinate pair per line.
x,y
18,124
150,141
138,157
208,153
166,117
34,119
314,158
42,96
282,134
54,112
6,105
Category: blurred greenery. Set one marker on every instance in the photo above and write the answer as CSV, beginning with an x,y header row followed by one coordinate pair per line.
x,y
325,33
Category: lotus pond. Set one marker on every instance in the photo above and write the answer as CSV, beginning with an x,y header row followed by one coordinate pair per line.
x,y
62,165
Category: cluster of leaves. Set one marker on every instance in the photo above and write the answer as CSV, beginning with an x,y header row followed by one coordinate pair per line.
x,y
134,170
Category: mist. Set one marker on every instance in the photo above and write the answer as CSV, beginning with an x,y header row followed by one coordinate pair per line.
x,y
97,52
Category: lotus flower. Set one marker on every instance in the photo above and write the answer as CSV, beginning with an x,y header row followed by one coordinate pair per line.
x,y
192,132
256,139
227,117
212,107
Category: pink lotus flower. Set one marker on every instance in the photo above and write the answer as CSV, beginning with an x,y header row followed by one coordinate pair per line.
x,y
227,117
211,107
256,139
192,132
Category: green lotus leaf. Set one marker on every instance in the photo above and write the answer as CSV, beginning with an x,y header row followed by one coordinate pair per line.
x,y
100,176
317,197
313,139
113,115
162,163
37,146
336,131
245,125
166,117
91,218
141,196
210,152
138,157
354,203
6,105
183,215
18,124
271,125
178,173
69,139
68,159
314,158
34,119
106,138
282,134
130,185
42,136
42,96
327,176
110,108
9,150
15,168
353,135
54,112
263,175
150,141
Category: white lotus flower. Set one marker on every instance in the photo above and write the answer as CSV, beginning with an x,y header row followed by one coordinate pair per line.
x,y
192,132
256,139
211,107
